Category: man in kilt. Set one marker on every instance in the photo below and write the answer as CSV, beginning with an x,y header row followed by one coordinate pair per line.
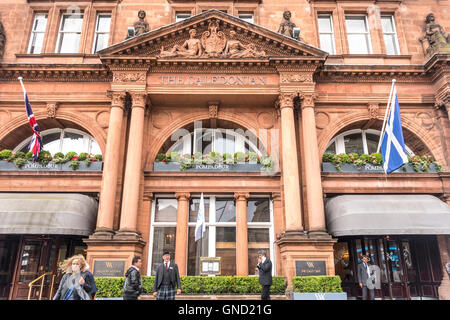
x,y
167,279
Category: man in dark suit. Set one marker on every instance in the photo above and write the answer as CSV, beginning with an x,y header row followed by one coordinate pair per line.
x,y
265,274
132,287
363,275
167,279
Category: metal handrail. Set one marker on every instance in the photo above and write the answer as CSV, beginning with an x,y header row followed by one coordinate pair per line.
x,y
32,284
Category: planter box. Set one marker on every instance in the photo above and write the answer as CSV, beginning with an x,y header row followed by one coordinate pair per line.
x,y
51,166
216,167
318,296
377,168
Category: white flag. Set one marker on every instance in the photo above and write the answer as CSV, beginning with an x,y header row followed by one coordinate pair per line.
x,y
200,226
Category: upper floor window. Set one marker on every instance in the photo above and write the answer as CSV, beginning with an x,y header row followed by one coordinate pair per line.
x,y
357,141
390,35
358,34
326,33
247,16
37,33
64,140
180,16
101,35
69,33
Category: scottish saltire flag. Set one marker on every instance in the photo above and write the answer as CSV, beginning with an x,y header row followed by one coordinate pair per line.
x,y
200,226
36,141
393,145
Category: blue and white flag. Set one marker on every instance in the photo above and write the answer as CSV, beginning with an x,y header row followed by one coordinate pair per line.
x,y
393,146
200,226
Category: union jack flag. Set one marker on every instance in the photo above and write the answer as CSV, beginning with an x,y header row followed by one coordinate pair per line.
x,y
36,141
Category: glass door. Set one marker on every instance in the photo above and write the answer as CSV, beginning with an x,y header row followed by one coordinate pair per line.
x,y
394,264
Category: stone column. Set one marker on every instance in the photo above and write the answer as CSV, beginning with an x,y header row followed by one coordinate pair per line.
x,y
181,241
144,228
278,227
241,234
314,195
291,181
110,168
133,169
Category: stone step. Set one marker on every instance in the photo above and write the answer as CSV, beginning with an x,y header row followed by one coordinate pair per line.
x,y
217,297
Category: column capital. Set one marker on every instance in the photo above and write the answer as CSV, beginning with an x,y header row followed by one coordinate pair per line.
x,y
182,196
138,99
241,196
286,100
117,98
308,99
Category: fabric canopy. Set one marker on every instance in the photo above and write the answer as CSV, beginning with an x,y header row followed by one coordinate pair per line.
x,y
47,213
386,214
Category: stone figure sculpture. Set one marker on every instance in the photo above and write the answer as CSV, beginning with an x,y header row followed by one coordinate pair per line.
x,y
435,38
287,26
235,49
140,26
190,48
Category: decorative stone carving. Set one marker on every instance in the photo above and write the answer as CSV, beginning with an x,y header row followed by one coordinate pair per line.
x,y
286,100
160,119
51,109
296,77
435,38
190,48
425,120
266,120
2,39
126,76
373,109
213,110
140,26
308,99
117,98
138,99
235,49
322,120
287,26
213,44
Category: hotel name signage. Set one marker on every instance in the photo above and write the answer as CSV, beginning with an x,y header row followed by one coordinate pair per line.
x,y
310,268
211,80
109,268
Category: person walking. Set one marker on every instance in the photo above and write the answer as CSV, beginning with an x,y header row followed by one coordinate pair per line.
x,y
73,285
265,274
132,288
90,279
167,279
363,275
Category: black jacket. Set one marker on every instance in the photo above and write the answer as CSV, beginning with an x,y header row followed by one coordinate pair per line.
x,y
90,279
62,289
265,273
174,276
133,283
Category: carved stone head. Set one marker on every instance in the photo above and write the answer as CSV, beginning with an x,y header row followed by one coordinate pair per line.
x,y
141,14
429,18
287,15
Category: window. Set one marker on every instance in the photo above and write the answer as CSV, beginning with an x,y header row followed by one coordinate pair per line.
x,y
37,33
326,33
219,239
101,35
59,140
357,141
358,35
246,16
390,35
69,33
180,16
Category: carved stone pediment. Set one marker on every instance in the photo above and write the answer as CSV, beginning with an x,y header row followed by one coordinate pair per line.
x,y
212,34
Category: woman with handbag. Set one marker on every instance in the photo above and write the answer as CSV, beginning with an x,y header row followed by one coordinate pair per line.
x,y
73,285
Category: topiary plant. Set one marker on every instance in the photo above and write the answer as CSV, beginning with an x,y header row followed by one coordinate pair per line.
x,y
70,155
5,154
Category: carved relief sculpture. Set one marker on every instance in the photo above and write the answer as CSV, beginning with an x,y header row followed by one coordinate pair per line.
x,y
2,39
140,26
287,26
51,109
435,38
190,48
213,43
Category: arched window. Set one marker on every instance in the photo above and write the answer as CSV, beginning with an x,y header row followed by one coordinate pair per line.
x,y
357,141
64,140
217,140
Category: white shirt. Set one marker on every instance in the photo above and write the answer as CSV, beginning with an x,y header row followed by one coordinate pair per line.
x,y
367,269
135,267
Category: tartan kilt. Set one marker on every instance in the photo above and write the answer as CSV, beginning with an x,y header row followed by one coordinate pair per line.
x,y
166,292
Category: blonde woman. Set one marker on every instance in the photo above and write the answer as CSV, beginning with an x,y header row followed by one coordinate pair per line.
x,y
73,285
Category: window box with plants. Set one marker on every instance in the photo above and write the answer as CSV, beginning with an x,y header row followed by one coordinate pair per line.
x,y
352,162
20,161
317,288
213,162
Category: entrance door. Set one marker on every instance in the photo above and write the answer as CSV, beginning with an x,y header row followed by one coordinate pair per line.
x,y
8,252
35,258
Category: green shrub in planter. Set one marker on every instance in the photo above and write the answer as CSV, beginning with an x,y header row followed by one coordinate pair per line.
x,y
5,154
44,157
19,162
160,157
317,284
29,155
328,157
99,157
239,156
74,164
83,156
70,155
20,154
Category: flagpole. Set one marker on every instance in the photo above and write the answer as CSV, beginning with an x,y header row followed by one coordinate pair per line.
x,y
21,83
385,115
